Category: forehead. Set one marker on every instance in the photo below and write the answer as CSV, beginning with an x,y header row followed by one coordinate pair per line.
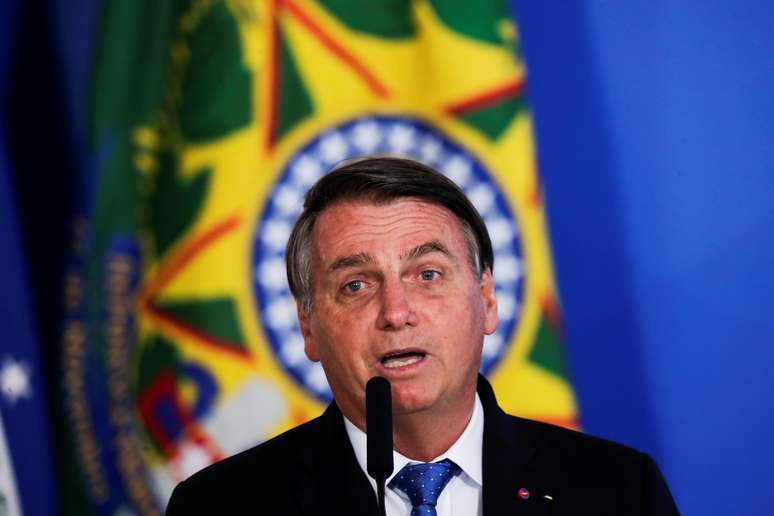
x,y
349,227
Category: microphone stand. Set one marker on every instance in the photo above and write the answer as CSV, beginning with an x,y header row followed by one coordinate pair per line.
x,y
379,433
381,478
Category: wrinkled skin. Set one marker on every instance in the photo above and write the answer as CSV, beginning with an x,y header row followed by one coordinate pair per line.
x,y
396,279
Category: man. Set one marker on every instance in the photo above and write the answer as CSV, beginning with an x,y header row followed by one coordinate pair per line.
x,y
391,268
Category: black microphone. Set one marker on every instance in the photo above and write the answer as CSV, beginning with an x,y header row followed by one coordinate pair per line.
x,y
379,434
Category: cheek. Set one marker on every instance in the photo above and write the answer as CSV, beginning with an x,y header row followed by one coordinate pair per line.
x,y
334,341
469,325
472,310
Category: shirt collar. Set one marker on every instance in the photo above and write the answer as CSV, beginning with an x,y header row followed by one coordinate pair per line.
x,y
465,452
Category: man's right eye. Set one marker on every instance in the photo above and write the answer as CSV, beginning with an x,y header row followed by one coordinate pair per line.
x,y
353,286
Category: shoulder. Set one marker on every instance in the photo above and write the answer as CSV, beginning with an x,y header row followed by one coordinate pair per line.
x,y
572,444
576,453
579,464
262,469
567,458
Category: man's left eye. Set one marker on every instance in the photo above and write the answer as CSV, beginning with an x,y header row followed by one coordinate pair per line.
x,y
428,275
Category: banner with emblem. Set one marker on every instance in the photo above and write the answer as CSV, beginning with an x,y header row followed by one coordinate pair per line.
x,y
209,120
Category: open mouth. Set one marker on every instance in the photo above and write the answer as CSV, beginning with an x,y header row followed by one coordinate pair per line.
x,y
402,359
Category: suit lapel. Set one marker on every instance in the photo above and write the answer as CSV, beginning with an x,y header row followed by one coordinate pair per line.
x,y
330,482
511,484
334,483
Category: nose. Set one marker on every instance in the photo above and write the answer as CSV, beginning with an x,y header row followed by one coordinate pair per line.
x,y
396,311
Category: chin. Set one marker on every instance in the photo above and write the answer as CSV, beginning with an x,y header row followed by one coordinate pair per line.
x,y
404,403
409,409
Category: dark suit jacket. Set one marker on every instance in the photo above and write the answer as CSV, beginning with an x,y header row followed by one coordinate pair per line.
x,y
311,470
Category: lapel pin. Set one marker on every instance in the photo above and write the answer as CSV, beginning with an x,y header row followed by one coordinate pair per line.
x,y
524,493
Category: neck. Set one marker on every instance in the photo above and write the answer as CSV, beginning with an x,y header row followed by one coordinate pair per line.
x,y
423,436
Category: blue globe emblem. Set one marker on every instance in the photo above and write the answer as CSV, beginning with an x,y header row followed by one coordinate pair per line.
x,y
380,135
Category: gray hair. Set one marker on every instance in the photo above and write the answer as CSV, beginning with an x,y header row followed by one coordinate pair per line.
x,y
381,180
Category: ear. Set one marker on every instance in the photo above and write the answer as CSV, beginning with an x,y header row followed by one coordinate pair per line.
x,y
491,318
310,346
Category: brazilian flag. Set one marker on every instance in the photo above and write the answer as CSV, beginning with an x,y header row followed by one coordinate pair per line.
x,y
208,121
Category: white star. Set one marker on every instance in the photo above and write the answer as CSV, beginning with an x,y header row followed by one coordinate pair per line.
x,y
483,197
333,148
458,169
492,345
288,200
271,274
281,313
366,136
501,231
507,305
401,138
306,171
292,350
430,149
509,269
316,378
276,233
15,380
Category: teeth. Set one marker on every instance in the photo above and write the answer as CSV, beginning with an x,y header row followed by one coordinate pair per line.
x,y
392,363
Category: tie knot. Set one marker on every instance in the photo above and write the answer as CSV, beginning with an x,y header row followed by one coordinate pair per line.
x,y
424,482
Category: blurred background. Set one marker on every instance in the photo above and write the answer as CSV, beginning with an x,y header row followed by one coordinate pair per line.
x,y
650,183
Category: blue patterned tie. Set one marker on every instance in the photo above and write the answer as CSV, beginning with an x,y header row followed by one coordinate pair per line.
x,y
423,484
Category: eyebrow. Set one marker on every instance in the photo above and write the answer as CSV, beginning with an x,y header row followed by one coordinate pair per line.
x,y
351,261
355,260
434,246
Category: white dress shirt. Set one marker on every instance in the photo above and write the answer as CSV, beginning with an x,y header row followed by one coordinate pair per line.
x,y
462,495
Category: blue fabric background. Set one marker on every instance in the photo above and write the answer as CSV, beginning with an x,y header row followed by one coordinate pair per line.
x,y
656,144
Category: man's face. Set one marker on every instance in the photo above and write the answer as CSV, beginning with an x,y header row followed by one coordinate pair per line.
x,y
394,295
